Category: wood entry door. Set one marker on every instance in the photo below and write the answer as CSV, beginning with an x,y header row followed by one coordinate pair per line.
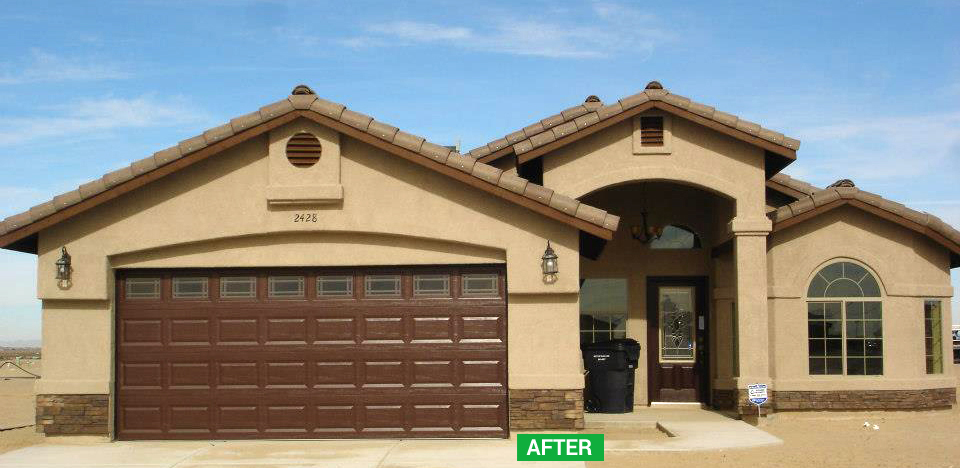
x,y
677,335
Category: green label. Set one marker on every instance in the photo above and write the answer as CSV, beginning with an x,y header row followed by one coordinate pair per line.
x,y
559,447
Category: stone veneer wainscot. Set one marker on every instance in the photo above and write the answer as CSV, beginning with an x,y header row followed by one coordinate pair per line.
x,y
546,409
73,414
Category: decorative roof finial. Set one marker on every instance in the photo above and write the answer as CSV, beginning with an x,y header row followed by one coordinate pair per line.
x,y
654,85
843,183
302,89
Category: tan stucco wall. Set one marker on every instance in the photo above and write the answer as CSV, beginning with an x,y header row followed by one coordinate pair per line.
x,y
215,214
698,156
910,268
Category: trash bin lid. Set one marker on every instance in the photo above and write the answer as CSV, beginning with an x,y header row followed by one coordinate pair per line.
x,y
619,344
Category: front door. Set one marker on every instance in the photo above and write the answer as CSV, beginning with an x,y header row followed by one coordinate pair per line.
x,y
677,339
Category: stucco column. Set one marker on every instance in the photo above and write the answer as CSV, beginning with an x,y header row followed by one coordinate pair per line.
x,y
750,260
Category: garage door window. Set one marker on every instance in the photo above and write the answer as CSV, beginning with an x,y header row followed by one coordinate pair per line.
x,y
335,286
190,288
382,286
143,288
431,285
238,286
286,287
480,285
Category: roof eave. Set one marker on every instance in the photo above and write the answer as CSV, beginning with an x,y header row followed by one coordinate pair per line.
x,y
24,238
777,156
938,237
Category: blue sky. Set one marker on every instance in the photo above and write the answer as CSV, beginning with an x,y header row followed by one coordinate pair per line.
x,y
872,89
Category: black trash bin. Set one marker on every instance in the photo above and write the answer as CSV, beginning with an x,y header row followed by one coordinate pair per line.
x,y
611,367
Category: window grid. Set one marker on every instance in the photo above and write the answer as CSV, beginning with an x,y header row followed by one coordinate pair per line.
x,y
431,285
335,286
234,287
381,286
191,287
285,287
933,336
142,288
480,284
596,326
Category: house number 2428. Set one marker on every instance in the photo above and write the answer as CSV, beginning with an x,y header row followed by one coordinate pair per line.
x,y
305,218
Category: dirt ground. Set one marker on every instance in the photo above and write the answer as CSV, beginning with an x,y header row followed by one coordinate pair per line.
x,y
17,406
904,439
19,438
926,439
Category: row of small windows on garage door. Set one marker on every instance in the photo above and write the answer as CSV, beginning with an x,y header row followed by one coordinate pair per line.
x,y
327,286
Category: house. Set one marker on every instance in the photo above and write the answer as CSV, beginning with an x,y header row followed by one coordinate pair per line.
x,y
306,271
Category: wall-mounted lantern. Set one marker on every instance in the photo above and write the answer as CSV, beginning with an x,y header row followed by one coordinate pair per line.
x,y
548,263
64,269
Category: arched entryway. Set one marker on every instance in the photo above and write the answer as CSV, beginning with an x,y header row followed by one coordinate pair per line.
x,y
654,282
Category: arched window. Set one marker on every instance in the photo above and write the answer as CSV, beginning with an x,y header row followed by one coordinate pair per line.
x,y
844,325
675,236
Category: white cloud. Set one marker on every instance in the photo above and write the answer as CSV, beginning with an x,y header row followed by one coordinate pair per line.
x,y
45,67
884,148
87,116
422,32
607,30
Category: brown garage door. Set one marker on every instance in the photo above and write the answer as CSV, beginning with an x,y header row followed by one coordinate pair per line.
x,y
311,353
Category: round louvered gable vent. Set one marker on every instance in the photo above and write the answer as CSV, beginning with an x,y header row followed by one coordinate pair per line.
x,y
303,150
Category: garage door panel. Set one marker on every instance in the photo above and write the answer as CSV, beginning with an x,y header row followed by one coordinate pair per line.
x,y
285,375
335,330
141,332
381,330
141,375
312,367
190,419
189,375
238,418
432,329
286,331
189,332
238,375
238,331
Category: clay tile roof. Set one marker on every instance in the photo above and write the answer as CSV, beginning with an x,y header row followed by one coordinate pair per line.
x,y
590,104
794,185
654,92
304,101
844,192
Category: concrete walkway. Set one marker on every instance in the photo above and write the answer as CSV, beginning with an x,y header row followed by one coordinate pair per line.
x,y
689,428
276,454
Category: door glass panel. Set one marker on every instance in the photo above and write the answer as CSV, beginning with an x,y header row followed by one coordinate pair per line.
x,y
677,326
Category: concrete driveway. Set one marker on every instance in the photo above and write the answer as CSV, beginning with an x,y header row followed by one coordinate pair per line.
x,y
279,453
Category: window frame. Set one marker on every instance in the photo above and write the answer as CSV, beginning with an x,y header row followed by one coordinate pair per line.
x,y
697,242
936,336
348,279
486,293
432,294
392,295
222,284
203,295
156,280
302,293
845,321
